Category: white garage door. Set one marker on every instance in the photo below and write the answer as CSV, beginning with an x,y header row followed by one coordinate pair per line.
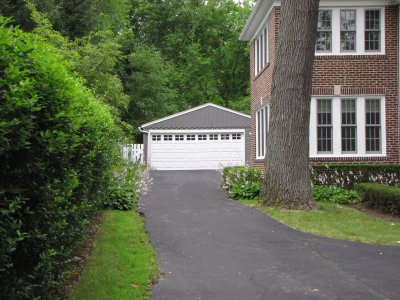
x,y
196,150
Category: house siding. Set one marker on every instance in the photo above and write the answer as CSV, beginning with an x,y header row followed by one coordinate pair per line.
x,y
357,75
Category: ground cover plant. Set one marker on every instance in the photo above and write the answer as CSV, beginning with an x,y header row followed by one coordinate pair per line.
x,y
58,145
241,182
123,263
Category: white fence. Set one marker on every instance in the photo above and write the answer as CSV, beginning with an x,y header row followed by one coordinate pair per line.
x,y
133,152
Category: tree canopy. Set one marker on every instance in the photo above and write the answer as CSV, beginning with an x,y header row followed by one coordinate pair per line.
x,y
147,58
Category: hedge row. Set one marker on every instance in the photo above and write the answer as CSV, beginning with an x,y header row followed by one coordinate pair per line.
x,y
57,148
347,175
380,197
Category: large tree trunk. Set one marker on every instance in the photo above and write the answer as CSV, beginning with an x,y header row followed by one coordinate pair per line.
x,y
287,173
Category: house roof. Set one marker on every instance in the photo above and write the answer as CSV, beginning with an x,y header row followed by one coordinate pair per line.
x,y
204,116
263,7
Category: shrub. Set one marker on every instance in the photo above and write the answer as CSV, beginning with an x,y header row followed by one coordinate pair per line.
x,y
381,197
123,188
347,175
335,195
57,148
242,182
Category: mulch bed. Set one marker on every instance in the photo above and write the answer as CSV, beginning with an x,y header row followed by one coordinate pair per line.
x,y
362,207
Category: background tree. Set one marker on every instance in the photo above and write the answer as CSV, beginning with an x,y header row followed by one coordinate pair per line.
x,y
287,173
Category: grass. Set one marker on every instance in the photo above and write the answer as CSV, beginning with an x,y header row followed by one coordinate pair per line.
x,y
123,263
337,221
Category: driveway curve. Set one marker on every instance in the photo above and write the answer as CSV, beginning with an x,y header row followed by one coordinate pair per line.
x,y
210,247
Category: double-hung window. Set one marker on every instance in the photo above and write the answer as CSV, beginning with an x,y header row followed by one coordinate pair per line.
x,y
348,30
373,125
347,126
261,51
324,125
262,116
372,30
324,31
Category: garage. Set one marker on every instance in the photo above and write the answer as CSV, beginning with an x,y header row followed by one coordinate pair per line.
x,y
207,137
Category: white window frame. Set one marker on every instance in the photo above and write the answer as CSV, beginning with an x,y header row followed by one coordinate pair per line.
x,y
264,127
360,32
261,49
337,124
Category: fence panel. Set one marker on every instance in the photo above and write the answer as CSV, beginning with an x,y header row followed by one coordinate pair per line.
x,y
133,152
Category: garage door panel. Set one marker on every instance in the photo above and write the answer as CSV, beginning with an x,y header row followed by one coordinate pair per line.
x,y
206,154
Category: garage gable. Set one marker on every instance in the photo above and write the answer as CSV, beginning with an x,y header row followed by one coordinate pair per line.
x,y
207,116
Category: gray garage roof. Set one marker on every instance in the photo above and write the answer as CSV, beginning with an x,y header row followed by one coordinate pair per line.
x,y
207,116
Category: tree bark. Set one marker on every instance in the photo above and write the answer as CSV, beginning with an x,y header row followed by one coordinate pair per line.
x,y
287,174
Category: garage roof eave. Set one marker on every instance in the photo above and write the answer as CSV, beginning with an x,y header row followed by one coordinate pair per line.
x,y
143,127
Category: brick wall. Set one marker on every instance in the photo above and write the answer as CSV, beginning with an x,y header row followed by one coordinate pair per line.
x,y
357,75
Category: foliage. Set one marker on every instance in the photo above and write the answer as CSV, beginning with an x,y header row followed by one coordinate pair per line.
x,y
199,39
123,263
241,182
337,221
347,175
58,144
73,18
381,197
94,57
146,81
335,195
123,188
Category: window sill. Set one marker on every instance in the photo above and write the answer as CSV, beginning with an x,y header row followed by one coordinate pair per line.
x,y
262,71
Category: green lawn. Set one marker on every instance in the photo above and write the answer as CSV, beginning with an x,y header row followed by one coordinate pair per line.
x,y
123,263
337,221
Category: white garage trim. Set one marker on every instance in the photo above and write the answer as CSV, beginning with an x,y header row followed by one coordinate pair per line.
x,y
154,131
219,154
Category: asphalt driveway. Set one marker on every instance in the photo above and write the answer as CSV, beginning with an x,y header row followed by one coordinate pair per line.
x,y
210,247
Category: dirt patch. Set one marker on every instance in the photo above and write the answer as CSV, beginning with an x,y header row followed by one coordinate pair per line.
x,y
377,214
82,256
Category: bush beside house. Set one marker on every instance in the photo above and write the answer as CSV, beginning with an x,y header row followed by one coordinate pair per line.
x,y
334,183
380,197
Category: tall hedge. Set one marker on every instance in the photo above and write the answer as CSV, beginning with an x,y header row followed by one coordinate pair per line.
x,y
57,147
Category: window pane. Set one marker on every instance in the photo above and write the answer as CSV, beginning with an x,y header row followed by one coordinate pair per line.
x,y
373,125
348,20
324,34
258,133
372,19
349,127
348,30
372,30
324,125
266,46
262,133
347,41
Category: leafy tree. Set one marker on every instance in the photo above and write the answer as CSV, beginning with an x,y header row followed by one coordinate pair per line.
x,y
200,38
95,58
287,172
73,18
147,76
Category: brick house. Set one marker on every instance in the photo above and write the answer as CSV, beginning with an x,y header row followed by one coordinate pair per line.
x,y
355,96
